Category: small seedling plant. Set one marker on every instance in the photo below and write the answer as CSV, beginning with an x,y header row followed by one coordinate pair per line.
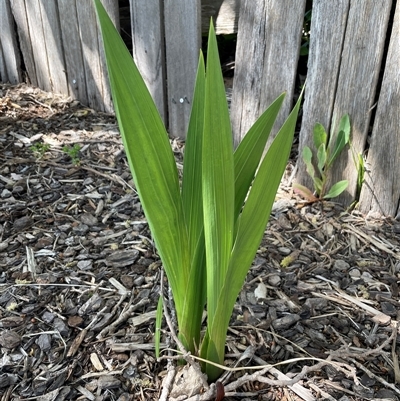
x,y
207,228
326,154
39,149
73,153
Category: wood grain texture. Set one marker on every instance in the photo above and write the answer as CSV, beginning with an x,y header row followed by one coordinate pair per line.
x,y
182,43
266,60
19,13
225,14
148,48
89,37
381,190
10,68
112,8
51,49
37,37
73,50
328,26
359,72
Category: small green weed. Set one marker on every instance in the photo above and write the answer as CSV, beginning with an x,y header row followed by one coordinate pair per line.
x,y
39,149
359,162
326,155
73,152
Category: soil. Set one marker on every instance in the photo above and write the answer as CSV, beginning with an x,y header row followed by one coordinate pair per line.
x,y
80,280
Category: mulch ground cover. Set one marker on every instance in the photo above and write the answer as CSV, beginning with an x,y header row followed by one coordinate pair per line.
x,y
80,280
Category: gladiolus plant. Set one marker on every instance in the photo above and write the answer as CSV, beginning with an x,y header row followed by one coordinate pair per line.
x,y
207,228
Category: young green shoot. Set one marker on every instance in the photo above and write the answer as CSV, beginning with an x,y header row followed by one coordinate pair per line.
x,y
73,153
39,149
326,154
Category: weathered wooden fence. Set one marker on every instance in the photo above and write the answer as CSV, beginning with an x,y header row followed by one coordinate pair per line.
x,y
346,51
61,48
353,68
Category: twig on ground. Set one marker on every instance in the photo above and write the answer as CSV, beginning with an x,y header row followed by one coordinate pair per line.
x,y
126,314
291,383
373,241
324,394
394,355
338,388
345,351
168,382
247,354
117,305
81,336
374,376
171,371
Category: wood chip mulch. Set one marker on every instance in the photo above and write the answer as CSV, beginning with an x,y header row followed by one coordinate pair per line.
x,y
80,280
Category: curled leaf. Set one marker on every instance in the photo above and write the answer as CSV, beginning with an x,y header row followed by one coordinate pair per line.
x,y
304,192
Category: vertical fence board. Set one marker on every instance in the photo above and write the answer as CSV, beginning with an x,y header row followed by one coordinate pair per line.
x,y
37,37
90,53
51,48
266,60
95,79
112,8
3,65
10,69
182,43
381,190
328,26
359,72
19,12
148,47
73,50
225,14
